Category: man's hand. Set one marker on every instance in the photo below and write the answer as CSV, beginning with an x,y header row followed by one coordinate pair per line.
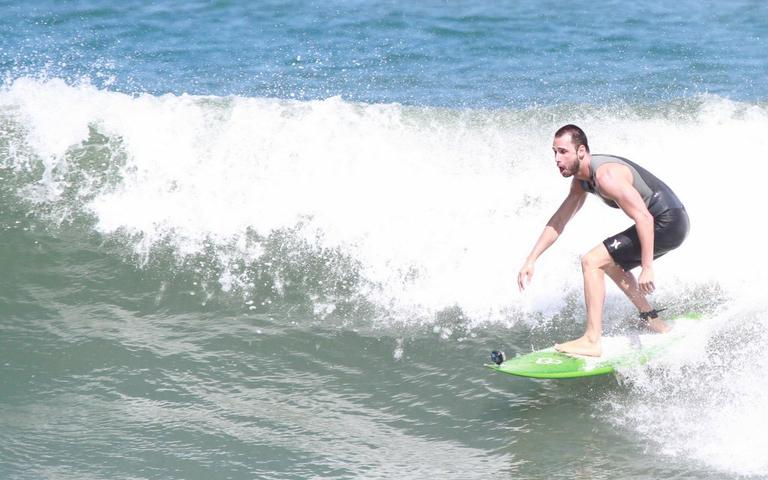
x,y
525,275
645,281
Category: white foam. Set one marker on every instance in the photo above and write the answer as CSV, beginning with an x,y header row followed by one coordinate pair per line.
x,y
706,399
440,206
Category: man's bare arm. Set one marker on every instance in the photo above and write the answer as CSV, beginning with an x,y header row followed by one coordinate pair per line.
x,y
552,230
615,182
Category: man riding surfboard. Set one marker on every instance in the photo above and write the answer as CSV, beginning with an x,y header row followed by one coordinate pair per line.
x,y
660,225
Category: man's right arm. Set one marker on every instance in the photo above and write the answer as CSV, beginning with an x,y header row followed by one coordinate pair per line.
x,y
552,230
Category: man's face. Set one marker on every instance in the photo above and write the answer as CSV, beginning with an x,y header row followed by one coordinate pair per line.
x,y
565,155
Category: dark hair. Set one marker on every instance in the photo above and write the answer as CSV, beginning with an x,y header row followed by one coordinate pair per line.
x,y
578,137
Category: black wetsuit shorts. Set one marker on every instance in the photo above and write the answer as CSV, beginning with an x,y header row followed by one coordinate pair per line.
x,y
670,229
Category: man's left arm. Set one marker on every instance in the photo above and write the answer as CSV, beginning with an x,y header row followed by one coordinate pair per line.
x,y
615,181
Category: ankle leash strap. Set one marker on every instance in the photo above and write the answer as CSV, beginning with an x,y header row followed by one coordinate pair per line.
x,y
651,313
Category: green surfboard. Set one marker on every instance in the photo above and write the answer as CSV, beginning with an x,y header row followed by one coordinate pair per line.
x,y
618,352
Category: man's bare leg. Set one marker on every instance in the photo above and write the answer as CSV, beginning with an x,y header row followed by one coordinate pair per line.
x,y
593,266
628,284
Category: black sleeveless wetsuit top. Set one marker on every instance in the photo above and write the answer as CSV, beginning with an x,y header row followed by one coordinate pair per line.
x,y
658,197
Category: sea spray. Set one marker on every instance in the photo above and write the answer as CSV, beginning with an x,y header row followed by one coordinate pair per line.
x,y
706,400
431,207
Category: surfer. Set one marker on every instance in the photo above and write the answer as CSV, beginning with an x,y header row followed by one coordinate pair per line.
x,y
661,225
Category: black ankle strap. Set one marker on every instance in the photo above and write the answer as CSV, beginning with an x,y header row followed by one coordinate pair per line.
x,y
651,313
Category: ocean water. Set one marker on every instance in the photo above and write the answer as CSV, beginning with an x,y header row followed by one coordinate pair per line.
x,y
277,240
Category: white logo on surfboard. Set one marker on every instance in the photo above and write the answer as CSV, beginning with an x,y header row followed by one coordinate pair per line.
x,y
548,361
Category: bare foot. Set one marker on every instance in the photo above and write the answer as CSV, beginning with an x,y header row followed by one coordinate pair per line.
x,y
658,325
581,346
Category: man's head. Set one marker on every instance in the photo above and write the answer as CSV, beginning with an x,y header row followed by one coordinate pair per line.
x,y
570,146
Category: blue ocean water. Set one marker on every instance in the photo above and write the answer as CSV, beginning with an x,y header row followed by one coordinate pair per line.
x,y
455,54
278,239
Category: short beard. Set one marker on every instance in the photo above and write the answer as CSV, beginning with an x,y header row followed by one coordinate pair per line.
x,y
578,166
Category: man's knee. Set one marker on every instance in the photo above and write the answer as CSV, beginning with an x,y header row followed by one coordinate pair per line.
x,y
588,262
596,258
